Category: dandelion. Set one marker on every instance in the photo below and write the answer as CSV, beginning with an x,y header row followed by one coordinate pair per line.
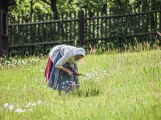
x,y
5,105
39,102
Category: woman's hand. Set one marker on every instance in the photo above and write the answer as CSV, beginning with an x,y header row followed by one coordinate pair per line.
x,y
76,73
70,73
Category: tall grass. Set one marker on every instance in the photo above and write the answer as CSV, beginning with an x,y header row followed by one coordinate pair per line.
x,y
120,85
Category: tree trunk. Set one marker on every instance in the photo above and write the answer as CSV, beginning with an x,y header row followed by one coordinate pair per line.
x,y
54,9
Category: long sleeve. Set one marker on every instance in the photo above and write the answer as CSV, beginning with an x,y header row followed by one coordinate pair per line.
x,y
67,55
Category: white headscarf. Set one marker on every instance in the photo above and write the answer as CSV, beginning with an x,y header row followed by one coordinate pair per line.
x,y
79,51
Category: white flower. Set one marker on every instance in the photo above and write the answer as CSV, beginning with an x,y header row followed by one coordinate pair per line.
x,y
120,73
5,105
114,71
20,110
24,90
31,109
42,70
33,104
11,107
104,71
33,71
24,110
118,66
28,104
39,102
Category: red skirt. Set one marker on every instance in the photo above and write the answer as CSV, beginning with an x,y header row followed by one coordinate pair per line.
x,y
48,69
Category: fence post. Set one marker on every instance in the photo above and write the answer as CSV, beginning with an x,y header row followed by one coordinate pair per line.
x,y
81,27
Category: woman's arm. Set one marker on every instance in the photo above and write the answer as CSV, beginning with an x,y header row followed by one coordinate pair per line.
x,y
66,70
73,69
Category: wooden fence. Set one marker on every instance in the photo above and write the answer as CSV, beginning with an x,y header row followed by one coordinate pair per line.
x,y
115,26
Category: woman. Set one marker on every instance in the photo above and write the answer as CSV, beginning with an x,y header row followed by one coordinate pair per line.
x,y
61,69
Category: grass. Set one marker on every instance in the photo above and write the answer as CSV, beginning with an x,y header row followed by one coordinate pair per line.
x,y
119,86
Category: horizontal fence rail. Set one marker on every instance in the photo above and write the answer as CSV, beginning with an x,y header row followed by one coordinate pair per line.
x,y
109,27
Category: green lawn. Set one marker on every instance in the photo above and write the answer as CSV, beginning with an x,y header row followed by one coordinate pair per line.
x,y
123,86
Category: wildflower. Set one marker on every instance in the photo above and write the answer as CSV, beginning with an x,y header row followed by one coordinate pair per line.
x,y
24,90
31,109
33,104
33,71
11,107
67,81
42,70
5,105
26,106
118,66
19,110
29,104
104,71
120,73
39,102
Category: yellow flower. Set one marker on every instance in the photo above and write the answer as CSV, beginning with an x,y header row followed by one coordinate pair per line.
x,y
89,116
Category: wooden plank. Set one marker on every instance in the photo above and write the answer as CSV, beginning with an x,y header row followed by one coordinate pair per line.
x,y
134,19
62,15
97,24
130,20
54,29
10,42
160,18
50,29
42,25
30,40
26,39
70,26
118,19
143,23
114,13
18,30
101,23
38,29
14,31
18,34
138,31
74,24
147,19
46,29
151,17
35,35
89,24
85,24
106,23
34,29
66,26
126,19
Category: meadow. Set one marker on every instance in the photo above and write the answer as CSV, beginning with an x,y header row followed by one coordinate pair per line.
x,y
119,85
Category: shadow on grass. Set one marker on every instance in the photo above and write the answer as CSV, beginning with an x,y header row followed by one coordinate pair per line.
x,y
86,92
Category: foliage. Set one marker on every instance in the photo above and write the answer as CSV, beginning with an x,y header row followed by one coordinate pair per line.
x,y
119,86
